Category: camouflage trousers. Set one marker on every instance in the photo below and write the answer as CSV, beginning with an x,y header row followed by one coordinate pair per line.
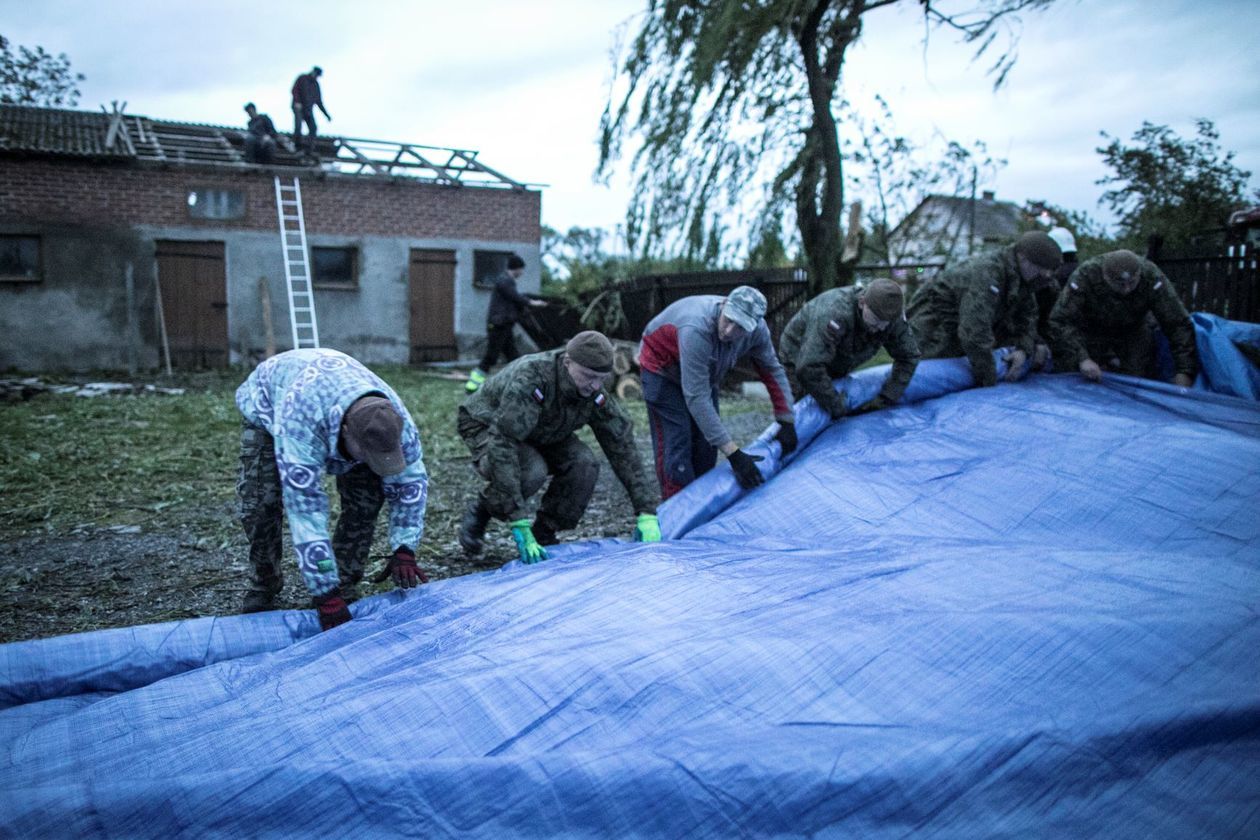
x,y
260,508
570,464
1131,351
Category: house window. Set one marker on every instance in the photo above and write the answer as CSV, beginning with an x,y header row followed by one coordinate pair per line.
x,y
19,259
335,268
487,266
222,205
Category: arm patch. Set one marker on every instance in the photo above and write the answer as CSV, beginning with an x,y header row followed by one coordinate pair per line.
x,y
538,395
600,399
995,290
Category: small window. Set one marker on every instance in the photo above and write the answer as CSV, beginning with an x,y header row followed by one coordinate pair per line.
x,y
335,268
487,266
19,259
223,205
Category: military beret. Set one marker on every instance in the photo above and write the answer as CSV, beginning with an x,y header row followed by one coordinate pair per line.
x,y
1039,249
885,299
591,350
1121,266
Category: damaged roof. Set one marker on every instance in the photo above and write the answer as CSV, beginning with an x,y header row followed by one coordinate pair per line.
x,y
60,132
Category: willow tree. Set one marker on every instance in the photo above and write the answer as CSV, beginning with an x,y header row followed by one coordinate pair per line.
x,y
733,104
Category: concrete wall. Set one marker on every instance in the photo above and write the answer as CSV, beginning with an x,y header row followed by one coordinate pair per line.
x,y
98,220
85,314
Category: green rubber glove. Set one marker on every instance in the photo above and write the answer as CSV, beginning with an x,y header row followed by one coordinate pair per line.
x,y
647,528
531,551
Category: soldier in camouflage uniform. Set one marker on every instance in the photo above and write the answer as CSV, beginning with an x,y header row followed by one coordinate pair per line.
x,y
304,413
520,427
1104,314
839,330
983,303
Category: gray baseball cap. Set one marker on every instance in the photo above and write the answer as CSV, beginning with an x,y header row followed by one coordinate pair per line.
x,y
745,306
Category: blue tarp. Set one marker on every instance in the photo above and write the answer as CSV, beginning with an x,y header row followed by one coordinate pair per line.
x,y
1023,610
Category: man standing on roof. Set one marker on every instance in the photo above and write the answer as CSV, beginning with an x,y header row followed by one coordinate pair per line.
x,y
520,429
1104,315
984,303
836,332
685,353
506,306
307,412
306,98
260,136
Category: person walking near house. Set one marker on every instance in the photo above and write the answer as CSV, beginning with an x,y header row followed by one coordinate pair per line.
x,y
985,303
520,429
840,329
685,353
304,413
506,306
306,98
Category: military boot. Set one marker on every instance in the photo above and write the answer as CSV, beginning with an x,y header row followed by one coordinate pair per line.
x,y
544,532
258,600
472,528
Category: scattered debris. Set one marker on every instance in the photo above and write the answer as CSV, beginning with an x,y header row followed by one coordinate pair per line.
x,y
20,390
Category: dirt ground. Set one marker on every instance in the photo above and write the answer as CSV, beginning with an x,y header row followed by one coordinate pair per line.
x,y
92,578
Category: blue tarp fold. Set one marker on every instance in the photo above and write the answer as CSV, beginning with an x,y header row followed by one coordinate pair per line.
x,y
1028,609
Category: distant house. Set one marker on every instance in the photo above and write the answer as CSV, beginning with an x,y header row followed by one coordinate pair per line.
x,y
99,211
946,229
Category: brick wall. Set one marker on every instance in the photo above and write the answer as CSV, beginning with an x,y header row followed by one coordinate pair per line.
x,y
67,191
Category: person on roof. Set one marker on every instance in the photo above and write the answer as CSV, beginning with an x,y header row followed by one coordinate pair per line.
x,y
307,412
836,332
306,98
985,303
520,428
685,353
260,136
1106,317
506,307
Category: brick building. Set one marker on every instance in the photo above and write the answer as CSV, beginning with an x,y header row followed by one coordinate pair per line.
x,y
101,212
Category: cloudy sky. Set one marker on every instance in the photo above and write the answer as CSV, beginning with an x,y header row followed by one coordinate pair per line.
x,y
525,82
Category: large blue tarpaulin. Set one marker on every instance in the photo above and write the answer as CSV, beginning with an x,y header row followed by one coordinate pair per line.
x,y
1021,610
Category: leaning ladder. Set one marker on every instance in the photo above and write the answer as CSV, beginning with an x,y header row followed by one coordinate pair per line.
x,y
297,267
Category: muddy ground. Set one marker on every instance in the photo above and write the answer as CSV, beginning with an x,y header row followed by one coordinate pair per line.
x,y
90,578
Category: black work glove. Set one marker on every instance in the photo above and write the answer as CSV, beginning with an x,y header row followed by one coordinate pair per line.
x,y
404,569
839,408
332,609
876,403
745,467
786,436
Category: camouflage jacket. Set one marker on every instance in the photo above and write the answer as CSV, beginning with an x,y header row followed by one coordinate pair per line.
x,y
1089,307
973,308
827,339
534,401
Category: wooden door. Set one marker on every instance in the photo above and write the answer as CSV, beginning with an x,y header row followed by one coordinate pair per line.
x,y
194,302
432,305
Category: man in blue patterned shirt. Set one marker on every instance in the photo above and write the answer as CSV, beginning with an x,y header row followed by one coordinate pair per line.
x,y
307,412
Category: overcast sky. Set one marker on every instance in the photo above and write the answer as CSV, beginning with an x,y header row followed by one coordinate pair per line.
x,y
525,82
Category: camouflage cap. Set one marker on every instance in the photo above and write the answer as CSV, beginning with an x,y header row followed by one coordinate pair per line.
x,y
592,350
885,298
1039,249
372,431
745,306
1121,266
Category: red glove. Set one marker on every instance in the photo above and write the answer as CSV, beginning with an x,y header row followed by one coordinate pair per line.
x,y
404,570
332,609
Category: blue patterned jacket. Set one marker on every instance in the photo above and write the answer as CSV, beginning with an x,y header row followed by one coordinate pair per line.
x,y
299,397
